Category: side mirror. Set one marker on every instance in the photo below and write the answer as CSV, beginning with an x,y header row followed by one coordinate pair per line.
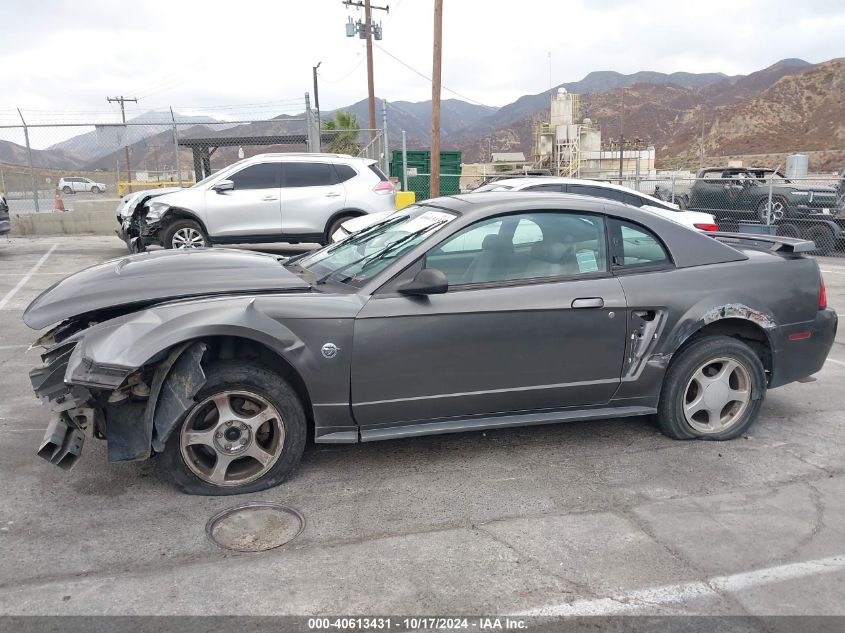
x,y
223,185
429,281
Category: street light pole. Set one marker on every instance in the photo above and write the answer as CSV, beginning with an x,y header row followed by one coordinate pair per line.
x,y
434,185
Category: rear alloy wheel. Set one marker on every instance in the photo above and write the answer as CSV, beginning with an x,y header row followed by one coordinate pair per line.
x,y
714,389
245,433
67,189
182,234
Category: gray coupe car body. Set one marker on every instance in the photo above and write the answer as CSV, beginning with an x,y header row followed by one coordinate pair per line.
x,y
370,362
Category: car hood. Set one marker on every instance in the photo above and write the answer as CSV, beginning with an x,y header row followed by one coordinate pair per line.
x,y
160,276
128,204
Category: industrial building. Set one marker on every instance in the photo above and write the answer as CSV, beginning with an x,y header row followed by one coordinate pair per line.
x,y
571,146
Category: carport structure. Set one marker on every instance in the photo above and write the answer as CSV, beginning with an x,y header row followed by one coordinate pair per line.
x,y
203,148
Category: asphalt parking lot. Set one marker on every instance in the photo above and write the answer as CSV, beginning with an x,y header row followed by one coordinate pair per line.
x,y
583,518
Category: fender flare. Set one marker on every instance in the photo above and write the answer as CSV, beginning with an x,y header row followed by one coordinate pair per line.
x,y
350,212
174,213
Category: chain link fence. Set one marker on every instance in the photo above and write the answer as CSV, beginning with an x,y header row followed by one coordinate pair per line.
x,y
46,166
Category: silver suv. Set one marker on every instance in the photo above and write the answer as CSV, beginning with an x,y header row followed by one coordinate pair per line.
x,y
75,184
266,198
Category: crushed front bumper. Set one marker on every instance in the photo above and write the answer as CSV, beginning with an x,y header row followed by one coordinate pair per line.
x,y
73,415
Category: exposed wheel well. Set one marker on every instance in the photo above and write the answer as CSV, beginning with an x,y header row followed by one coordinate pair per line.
x,y
748,332
234,347
176,213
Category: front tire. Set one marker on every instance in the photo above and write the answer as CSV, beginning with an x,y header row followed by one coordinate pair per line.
x,y
95,190
245,432
823,238
713,390
184,234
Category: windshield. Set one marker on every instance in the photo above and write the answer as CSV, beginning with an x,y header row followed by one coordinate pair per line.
x,y
362,255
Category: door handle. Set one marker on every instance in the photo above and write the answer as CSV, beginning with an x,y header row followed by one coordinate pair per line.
x,y
269,198
332,195
588,302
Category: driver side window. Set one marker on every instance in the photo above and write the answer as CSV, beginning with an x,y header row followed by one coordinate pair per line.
x,y
525,246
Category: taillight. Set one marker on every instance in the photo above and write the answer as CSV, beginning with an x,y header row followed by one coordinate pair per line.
x,y
706,227
383,187
822,294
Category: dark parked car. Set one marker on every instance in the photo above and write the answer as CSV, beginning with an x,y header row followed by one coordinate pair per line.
x,y
5,223
458,314
745,191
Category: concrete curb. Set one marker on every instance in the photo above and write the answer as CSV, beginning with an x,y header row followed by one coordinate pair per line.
x,y
89,217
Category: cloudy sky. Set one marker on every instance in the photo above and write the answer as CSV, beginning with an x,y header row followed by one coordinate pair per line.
x,y
60,59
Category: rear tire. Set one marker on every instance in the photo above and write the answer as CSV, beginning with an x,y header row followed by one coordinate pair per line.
x,y
824,239
67,189
334,226
787,229
190,459
780,209
184,234
713,390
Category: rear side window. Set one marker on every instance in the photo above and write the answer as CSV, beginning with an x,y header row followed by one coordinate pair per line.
x,y
552,188
598,192
344,173
634,246
261,176
308,174
378,172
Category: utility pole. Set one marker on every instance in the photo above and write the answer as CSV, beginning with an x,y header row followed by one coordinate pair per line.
x,y
621,135
317,107
365,31
434,185
121,100
701,142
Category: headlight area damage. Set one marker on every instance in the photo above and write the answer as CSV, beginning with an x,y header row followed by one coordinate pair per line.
x,y
135,408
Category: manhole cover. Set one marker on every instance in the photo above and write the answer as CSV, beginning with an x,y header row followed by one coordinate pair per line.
x,y
255,527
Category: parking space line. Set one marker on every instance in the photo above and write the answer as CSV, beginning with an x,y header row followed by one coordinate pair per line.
x,y
26,277
833,272
833,360
642,599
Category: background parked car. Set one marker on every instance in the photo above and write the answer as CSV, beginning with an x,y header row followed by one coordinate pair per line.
x,y
553,184
76,184
745,192
266,198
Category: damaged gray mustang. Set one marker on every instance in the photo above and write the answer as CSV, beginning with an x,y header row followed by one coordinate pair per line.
x,y
457,314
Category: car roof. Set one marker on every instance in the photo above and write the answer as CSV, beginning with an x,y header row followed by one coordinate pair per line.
x,y
517,183
309,157
688,247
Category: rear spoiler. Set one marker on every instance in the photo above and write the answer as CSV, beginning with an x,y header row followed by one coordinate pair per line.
x,y
776,243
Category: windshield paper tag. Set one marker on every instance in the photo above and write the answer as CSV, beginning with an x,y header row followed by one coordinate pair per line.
x,y
586,261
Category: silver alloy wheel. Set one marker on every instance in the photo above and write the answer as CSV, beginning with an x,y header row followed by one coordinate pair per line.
x,y
232,438
717,396
187,237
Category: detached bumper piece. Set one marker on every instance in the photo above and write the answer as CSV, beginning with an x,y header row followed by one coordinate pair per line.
x,y
62,443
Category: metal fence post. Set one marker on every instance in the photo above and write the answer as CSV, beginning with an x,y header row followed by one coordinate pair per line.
x,y
384,143
29,158
404,162
769,215
673,186
176,147
309,142
2,181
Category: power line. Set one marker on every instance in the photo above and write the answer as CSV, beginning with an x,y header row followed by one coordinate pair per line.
x,y
427,78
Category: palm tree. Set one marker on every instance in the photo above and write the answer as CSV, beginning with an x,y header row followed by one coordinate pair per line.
x,y
345,140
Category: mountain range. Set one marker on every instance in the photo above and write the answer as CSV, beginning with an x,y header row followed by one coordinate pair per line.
x,y
790,105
